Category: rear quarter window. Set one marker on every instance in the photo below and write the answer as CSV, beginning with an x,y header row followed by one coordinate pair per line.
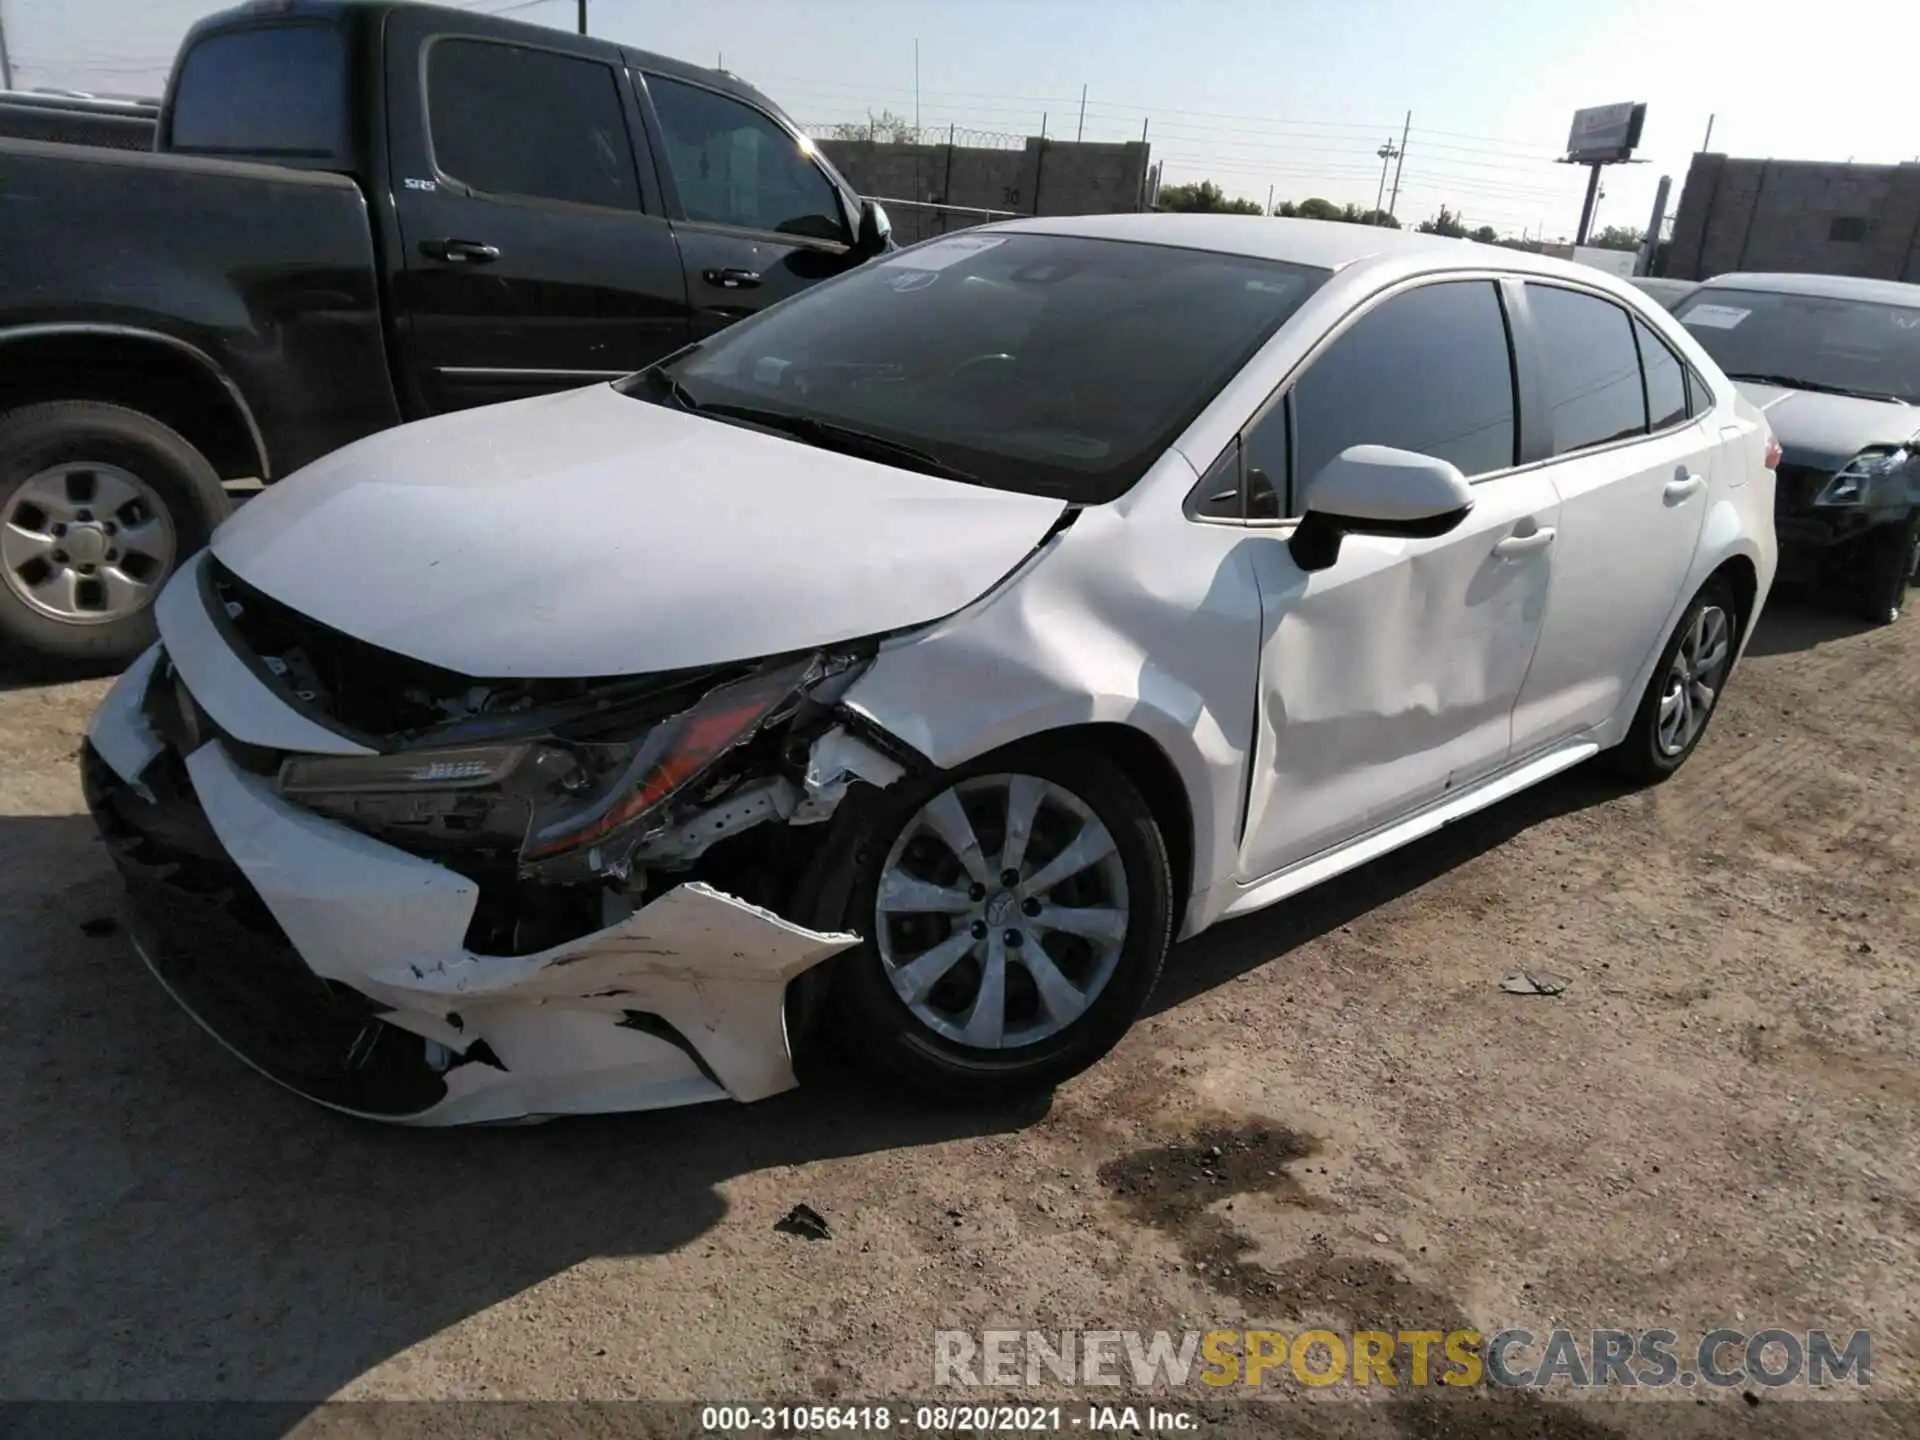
x,y
273,90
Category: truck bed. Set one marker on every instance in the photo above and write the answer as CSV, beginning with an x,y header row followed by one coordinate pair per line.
x,y
267,271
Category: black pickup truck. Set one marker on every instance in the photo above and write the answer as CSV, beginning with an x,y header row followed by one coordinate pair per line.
x,y
357,214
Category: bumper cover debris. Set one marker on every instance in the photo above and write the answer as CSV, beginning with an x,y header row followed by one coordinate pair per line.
x,y
336,963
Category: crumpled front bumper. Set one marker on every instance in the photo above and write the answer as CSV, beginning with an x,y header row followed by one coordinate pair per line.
x,y
336,964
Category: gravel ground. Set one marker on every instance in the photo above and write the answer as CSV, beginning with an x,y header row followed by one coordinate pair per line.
x,y
1714,1124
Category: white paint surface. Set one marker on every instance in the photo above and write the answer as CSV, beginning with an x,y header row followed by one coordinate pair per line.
x,y
589,533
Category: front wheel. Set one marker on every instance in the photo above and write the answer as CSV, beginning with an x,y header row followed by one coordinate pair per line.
x,y
1016,912
1890,555
1686,685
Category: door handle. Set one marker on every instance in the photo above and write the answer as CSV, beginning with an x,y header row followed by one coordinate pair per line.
x,y
731,279
460,252
1683,486
1524,544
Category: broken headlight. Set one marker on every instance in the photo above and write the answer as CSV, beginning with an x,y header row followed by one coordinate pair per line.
x,y
1864,478
551,796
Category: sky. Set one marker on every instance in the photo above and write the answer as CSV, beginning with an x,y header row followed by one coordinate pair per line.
x,y
1296,95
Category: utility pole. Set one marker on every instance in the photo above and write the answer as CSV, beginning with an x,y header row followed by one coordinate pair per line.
x,y
1081,133
1644,261
1707,144
6,63
1405,130
1591,204
1146,170
1386,152
916,89
583,16
1270,201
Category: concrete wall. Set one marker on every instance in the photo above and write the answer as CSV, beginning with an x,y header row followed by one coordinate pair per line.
x,y
1807,216
1045,177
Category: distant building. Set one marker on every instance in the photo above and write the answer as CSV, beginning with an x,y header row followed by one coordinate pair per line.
x,y
1805,216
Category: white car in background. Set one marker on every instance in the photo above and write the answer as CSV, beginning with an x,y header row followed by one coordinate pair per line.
x,y
919,658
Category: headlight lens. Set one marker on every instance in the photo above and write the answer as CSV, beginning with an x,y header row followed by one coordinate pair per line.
x,y
458,768
670,757
551,795
1862,478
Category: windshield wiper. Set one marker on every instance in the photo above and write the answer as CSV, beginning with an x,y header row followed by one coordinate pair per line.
x,y
829,435
1794,382
670,385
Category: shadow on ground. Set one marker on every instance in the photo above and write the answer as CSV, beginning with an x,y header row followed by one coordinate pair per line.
x,y
22,671
1237,946
1794,620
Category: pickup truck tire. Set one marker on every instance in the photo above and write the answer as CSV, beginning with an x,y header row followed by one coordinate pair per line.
x,y
98,504
1887,559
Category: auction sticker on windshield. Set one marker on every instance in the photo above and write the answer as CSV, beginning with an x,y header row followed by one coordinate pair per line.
x,y
942,253
1715,317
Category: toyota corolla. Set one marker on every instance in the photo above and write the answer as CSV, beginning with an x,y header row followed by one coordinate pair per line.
x,y
915,661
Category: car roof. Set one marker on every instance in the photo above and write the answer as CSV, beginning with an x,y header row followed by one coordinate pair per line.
x,y
1829,287
1326,244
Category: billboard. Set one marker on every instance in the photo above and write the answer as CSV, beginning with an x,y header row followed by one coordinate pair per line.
x,y
1602,133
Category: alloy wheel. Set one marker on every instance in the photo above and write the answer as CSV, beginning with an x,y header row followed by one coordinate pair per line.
x,y
85,543
1002,911
1693,680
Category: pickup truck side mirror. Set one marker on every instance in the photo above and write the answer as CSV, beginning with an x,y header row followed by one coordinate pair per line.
x,y
875,236
1377,490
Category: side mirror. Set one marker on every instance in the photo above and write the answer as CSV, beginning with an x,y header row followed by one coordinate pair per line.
x,y
1377,490
875,236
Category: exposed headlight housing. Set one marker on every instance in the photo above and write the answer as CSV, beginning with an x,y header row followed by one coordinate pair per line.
x,y
551,796
1863,478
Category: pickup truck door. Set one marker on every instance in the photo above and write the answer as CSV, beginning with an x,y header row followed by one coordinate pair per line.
x,y
756,215
536,254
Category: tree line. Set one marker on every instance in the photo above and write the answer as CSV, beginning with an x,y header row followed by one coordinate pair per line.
x,y
1205,196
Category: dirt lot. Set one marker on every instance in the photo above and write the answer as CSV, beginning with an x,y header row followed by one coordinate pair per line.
x,y
1714,1125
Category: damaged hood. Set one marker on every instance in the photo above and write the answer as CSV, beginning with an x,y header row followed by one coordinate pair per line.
x,y
589,533
1826,431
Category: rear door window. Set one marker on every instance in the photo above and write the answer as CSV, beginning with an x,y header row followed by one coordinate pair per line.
x,y
735,166
272,90
1666,379
511,120
1593,369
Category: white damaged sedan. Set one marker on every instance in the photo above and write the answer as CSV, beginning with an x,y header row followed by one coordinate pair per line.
x,y
916,660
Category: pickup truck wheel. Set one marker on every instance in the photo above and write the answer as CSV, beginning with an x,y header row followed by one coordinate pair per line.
x,y
98,503
1887,562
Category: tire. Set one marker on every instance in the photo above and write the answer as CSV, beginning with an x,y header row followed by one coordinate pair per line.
x,y
1887,562
935,1049
94,604
1649,753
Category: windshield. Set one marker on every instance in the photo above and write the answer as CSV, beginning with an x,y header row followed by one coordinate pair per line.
x,y
1853,347
1051,364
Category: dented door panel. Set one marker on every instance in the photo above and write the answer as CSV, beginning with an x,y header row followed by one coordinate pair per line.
x,y
1390,678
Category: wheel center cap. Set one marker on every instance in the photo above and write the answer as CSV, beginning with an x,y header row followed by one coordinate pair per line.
x,y
85,544
1001,908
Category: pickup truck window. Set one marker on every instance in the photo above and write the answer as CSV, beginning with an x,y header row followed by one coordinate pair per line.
x,y
509,120
274,90
734,166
